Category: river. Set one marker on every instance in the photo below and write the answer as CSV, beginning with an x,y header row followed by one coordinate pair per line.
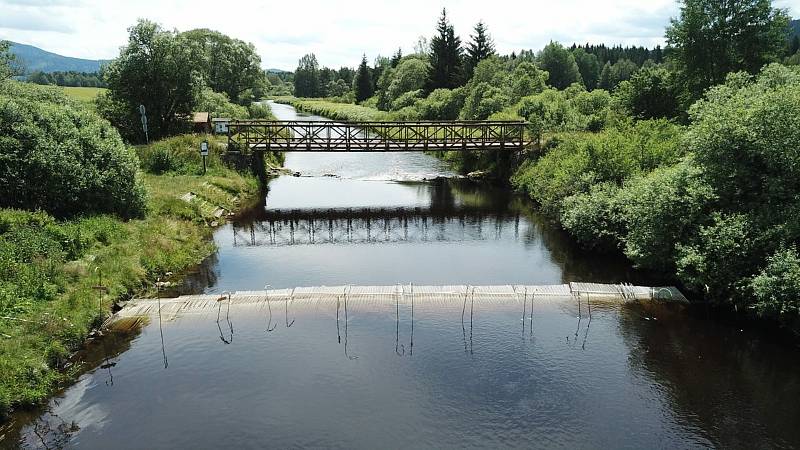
x,y
635,376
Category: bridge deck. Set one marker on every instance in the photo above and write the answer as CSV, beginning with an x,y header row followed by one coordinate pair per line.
x,y
331,136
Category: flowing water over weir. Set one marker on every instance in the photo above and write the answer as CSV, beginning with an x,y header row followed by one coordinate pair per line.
x,y
441,313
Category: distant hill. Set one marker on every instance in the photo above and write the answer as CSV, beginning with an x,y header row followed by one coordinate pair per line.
x,y
794,25
34,59
277,71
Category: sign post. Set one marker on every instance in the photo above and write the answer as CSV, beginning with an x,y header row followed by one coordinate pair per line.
x,y
204,153
144,123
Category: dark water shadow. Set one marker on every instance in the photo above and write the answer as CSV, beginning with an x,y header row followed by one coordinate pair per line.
x,y
751,402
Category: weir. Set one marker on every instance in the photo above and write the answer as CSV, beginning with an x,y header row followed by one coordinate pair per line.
x,y
408,294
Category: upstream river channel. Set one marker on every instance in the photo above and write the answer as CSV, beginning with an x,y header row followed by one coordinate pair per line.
x,y
642,375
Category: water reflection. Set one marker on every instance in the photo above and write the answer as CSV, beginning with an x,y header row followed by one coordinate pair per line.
x,y
226,339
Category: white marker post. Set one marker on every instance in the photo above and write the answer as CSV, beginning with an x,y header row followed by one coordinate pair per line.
x,y
144,123
204,153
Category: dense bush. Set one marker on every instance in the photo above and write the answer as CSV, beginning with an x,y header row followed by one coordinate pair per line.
x,y
219,105
579,161
441,104
776,289
57,156
650,93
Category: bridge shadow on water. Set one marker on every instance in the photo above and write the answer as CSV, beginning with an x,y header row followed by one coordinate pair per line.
x,y
452,211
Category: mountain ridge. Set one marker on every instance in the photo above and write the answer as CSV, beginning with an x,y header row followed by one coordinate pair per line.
x,y
35,59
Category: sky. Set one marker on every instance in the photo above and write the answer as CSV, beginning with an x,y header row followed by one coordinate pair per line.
x,y
337,31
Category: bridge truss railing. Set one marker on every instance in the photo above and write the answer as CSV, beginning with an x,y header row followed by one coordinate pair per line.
x,y
266,135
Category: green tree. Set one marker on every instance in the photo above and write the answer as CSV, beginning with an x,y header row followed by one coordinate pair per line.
x,y
606,82
560,64
712,38
527,79
445,57
588,66
410,75
744,134
478,49
306,77
362,83
777,288
622,70
337,88
651,93
6,61
156,69
483,101
228,65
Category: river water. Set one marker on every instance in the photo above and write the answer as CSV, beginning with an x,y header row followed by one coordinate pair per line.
x,y
385,375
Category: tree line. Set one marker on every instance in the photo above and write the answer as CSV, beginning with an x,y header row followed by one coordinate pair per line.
x,y
70,79
173,74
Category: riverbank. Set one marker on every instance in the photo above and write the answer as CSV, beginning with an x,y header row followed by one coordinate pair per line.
x,y
62,278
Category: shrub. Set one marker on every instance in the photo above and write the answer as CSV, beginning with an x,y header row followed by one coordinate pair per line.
x,y
483,101
663,209
745,135
442,104
776,289
722,254
219,105
596,219
62,158
577,162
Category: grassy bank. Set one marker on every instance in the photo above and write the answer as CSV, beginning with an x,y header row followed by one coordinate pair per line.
x,y
85,95
337,111
49,268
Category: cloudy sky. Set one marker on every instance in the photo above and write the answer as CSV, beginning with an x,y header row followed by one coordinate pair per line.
x,y
337,31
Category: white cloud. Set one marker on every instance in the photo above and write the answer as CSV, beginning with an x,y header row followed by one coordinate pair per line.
x,y
337,31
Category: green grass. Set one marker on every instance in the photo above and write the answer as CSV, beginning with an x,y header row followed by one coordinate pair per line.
x,y
336,111
83,94
48,268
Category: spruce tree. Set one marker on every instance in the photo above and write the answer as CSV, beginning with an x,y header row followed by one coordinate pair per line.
x,y
480,48
445,57
396,58
362,83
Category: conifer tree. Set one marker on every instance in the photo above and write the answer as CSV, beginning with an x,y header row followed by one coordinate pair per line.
x,y
362,83
480,48
606,81
446,69
396,58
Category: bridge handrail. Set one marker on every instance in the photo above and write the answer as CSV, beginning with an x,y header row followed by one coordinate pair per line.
x,y
386,122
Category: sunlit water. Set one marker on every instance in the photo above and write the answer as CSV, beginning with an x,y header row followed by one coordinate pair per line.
x,y
382,375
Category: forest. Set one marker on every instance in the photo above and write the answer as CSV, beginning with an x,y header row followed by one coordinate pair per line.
x,y
682,158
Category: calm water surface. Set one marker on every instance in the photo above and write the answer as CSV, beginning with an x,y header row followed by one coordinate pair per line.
x,y
634,376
